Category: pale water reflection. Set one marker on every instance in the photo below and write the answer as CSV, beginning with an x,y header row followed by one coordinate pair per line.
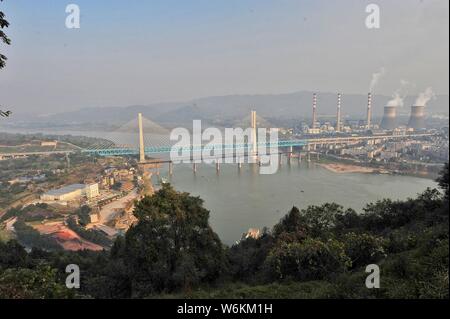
x,y
239,200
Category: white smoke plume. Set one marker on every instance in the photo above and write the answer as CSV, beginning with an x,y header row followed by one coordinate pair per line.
x,y
425,97
400,94
397,100
376,78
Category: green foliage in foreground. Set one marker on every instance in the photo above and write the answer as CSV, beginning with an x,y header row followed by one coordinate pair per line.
x,y
39,283
3,39
318,252
172,246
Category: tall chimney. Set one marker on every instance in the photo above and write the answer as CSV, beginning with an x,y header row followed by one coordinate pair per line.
x,y
389,121
338,120
417,119
141,140
369,111
314,115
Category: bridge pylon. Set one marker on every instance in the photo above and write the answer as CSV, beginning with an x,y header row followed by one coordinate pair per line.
x,y
254,135
141,140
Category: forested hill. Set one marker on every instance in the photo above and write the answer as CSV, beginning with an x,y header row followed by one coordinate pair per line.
x,y
295,105
319,252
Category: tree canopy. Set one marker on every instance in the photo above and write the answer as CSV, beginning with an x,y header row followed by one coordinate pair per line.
x,y
316,252
172,245
443,180
3,38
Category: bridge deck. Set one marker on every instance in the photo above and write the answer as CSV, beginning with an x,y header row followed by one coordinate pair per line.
x,y
246,146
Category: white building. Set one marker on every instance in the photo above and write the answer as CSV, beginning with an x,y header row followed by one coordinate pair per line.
x,y
49,143
91,190
71,192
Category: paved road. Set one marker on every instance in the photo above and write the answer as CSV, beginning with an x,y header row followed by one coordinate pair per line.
x,y
38,153
108,212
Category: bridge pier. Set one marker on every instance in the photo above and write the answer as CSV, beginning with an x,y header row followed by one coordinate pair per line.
x,y
290,151
217,167
308,147
239,162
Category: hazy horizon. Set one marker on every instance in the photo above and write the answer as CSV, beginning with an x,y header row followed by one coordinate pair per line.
x,y
167,51
189,102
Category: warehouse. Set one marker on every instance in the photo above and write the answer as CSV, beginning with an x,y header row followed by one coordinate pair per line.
x,y
71,192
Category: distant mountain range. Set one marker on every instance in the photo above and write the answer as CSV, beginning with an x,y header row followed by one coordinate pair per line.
x,y
231,108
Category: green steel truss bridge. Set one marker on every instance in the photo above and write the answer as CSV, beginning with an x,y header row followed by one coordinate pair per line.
x,y
195,148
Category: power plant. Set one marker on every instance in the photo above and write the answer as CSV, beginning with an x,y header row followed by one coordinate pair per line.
x,y
389,121
369,111
338,120
417,119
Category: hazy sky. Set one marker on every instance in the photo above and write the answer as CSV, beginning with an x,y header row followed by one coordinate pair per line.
x,y
140,52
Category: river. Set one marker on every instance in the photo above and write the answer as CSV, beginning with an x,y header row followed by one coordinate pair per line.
x,y
239,200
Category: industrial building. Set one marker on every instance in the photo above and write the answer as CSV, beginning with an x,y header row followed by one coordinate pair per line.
x,y
49,143
91,190
72,192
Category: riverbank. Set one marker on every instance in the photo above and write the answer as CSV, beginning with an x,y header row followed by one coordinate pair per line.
x,y
337,164
349,168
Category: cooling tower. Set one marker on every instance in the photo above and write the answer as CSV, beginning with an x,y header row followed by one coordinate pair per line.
x,y
389,121
417,119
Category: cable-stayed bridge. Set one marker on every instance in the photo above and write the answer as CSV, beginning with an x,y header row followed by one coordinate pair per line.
x,y
152,139
143,137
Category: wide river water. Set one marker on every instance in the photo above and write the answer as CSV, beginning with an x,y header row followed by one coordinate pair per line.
x,y
239,200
